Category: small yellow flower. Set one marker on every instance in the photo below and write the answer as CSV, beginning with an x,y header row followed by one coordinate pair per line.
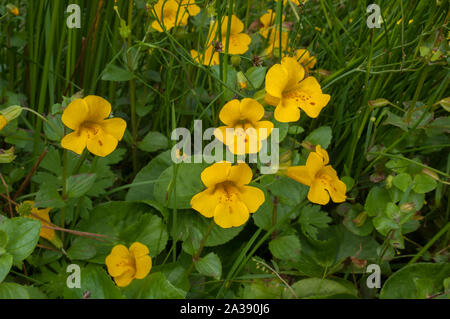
x,y
41,215
13,9
191,7
238,42
318,29
321,178
267,20
242,121
169,13
87,117
210,57
305,59
288,90
227,197
125,265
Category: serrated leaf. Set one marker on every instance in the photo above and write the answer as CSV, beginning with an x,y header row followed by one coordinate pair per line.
x,y
311,219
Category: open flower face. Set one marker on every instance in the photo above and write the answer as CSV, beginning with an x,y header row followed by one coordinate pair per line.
x,y
239,41
42,215
87,117
169,13
243,130
227,198
125,264
320,177
289,91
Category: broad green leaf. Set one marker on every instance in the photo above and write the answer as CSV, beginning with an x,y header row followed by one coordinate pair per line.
x,y
312,288
210,265
117,74
356,221
349,182
256,76
147,177
6,261
10,290
424,183
285,247
417,281
260,289
154,286
320,136
23,235
126,221
188,183
3,239
48,196
376,201
402,181
97,282
78,185
153,141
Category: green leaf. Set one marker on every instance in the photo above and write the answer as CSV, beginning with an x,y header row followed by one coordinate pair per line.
x,y
78,185
129,222
153,141
402,181
188,183
56,124
3,239
117,74
23,234
376,201
154,286
320,136
424,183
311,219
313,288
210,265
48,196
97,282
285,247
349,182
417,281
147,178
445,103
355,222
6,261
256,76
260,289
10,290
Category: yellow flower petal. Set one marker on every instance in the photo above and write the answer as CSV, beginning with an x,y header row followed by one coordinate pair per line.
x,y
317,193
300,174
236,25
75,141
239,43
335,187
240,174
296,73
287,111
216,173
115,266
115,127
314,163
99,108
323,153
143,266
231,214
102,144
138,250
205,202
271,100
126,278
276,80
251,110
230,112
75,114
252,197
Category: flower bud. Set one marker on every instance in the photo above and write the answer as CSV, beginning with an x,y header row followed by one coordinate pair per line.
x,y
9,114
13,9
236,61
7,156
389,180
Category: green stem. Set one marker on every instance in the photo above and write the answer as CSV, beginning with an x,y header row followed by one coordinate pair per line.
x,y
431,242
196,256
132,91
